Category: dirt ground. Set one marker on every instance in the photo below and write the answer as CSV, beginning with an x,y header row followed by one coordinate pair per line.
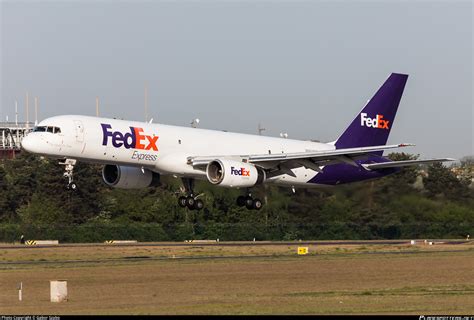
x,y
243,280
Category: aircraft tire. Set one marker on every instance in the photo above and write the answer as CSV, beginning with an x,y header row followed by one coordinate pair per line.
x,y
257,204
241,201
182,201
249,205
199,204
249,202
190,202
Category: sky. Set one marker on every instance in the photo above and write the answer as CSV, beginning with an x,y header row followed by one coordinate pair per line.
x,y
305,68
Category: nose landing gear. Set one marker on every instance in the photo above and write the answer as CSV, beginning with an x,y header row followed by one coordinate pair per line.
x,y
68,173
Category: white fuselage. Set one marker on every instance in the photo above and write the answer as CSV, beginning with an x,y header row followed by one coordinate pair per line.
x,y
161,148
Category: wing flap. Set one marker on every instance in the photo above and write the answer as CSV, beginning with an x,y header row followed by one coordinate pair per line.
x,y
404,163
322,155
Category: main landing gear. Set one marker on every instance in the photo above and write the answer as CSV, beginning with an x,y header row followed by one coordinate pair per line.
x,y
190,201
68,173
249,202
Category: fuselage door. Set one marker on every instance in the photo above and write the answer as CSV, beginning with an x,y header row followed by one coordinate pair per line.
x,y
79,130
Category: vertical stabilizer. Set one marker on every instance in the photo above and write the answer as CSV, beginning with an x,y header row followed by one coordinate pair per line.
x,y
372,125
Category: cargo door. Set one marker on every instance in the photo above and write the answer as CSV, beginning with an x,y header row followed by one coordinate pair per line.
x,y
79,130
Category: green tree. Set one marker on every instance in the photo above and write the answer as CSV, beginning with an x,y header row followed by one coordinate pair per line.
x,y
43,210
5,210
441,182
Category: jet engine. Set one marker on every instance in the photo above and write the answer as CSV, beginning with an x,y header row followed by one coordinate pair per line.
x,y
232,173
125,177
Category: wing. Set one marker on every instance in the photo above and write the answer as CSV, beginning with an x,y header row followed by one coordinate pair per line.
x,y
405,163
284,162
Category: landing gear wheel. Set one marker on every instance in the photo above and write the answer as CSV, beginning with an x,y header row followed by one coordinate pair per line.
x,y
199,204
248,205
249,202
182,201
257,204
71,186
241,201
190,202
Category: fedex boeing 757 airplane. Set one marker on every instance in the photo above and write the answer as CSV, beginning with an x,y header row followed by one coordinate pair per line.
x,y
136,154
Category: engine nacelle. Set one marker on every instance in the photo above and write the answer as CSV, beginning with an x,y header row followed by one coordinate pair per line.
x,y
125,177
231,173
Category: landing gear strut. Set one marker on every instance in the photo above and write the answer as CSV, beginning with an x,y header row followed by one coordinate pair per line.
x,y
68,173
190,201
249,202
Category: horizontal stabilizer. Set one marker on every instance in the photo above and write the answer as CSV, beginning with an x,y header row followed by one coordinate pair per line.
x,y
405,163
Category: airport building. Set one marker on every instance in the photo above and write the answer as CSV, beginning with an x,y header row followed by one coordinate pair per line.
x,y
11,134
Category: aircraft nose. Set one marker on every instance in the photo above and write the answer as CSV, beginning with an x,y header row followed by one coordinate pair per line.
x,y
27,143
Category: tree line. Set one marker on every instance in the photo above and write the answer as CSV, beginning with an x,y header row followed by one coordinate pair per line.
x,y
35,202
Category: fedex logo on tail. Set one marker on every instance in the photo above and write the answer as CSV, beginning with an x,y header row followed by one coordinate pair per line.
x,y
377,122
135,139
239,172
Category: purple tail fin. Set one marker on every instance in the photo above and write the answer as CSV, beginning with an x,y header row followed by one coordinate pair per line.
x,y
372,125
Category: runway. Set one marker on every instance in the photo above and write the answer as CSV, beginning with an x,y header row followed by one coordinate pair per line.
x,y
201,243
242,277
164,258
107,253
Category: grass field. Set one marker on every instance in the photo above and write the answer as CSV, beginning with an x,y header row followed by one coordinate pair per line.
x,y
250,279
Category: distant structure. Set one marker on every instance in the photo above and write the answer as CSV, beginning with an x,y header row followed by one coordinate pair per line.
x,y
465,172
195,123
11,134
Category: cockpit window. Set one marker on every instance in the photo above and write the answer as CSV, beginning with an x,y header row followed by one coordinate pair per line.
x,y
47,129
39,129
